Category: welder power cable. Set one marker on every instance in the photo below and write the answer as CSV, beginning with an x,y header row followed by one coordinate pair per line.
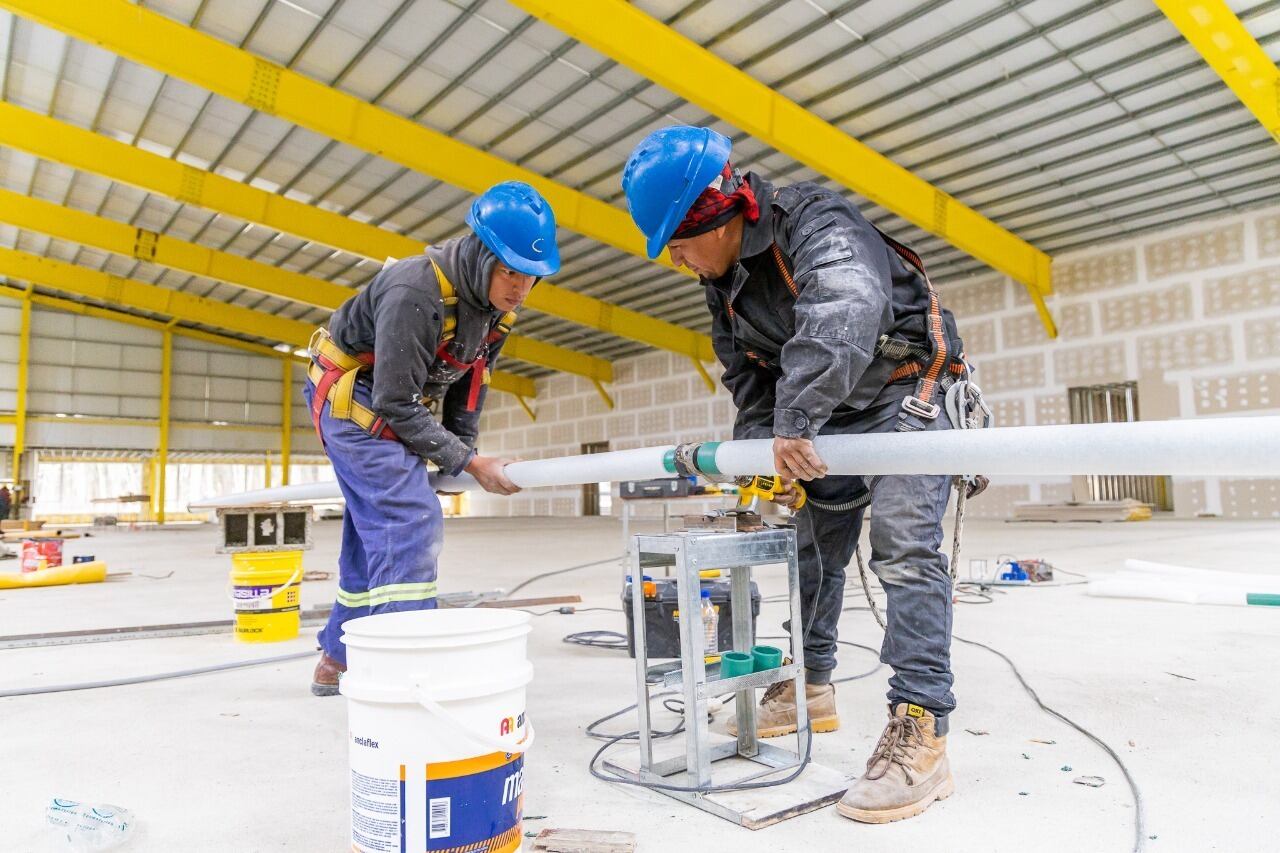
x,y
539,577
160,676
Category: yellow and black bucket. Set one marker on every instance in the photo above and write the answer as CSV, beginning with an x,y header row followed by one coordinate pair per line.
x,y
267,591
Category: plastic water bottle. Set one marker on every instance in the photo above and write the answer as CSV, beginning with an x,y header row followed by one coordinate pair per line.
x,y
710,624
89,827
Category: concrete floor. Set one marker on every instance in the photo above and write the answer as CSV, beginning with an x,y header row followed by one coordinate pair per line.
x,y
249,761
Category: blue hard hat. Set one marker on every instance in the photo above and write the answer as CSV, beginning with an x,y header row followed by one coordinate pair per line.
x,y
666,173
517,224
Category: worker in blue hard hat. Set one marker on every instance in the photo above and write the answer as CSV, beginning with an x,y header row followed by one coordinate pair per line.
x,y
398,380
826,326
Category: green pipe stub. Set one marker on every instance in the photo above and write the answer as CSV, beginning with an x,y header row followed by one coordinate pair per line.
x,y
705,459
1263,599
669,461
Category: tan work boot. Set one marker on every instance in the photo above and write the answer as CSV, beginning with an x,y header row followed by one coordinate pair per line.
x,y
325,680
776,715
906,773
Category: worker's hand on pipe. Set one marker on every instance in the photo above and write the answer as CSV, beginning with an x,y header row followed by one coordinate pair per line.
x,y
789,494
795,459
489,474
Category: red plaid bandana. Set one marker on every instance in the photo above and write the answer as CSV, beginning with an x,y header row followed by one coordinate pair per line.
x,y
713,208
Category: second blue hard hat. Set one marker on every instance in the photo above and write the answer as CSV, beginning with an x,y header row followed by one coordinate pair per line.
x,y
666,173
517,224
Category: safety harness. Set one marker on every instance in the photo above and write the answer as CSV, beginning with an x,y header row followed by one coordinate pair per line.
x,y
936,365
334,372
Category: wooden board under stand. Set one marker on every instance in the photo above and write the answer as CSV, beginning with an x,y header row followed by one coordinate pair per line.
x,y
584,841
817,787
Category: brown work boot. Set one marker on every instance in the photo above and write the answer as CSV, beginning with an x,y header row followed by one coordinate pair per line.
x,y
906,773
776,715
325,680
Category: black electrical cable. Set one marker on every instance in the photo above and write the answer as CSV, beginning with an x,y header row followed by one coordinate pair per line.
x,y
143,679
598,640
539,577
1138,816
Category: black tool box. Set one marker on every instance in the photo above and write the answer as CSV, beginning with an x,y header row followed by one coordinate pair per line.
x,y
662,612
670,487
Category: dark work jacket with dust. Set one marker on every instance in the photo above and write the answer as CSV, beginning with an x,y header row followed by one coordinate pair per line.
x,y
821,369
399,318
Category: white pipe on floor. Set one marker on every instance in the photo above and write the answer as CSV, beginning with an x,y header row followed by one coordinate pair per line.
x,y
1237,446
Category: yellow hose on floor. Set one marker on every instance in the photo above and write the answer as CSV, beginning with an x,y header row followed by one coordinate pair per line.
x,y
94,572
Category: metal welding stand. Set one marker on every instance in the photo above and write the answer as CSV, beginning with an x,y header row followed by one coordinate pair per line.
x,y
690,552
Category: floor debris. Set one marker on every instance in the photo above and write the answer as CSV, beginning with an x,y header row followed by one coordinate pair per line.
x,y
1183,677
978,732
1038,740
584,841
1091,781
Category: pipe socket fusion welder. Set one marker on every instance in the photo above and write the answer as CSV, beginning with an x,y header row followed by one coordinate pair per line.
x,y
765,487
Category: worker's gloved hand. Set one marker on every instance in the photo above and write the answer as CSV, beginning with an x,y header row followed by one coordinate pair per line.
x,y
795,459
789,495
489,474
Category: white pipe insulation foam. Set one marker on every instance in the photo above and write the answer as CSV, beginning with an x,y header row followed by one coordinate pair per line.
x,y
1235,446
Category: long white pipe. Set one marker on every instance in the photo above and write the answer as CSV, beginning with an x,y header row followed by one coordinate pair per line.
x,y
1237,446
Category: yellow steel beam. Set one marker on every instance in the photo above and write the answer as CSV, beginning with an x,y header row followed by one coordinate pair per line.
x,y
111,236
644,44
24,371
166,398
286,418
1230,50
92,152
184,307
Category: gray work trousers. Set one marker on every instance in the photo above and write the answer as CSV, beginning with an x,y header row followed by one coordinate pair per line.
x,y
906,541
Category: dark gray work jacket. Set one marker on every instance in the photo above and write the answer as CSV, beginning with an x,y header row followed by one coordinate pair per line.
x,y
802,364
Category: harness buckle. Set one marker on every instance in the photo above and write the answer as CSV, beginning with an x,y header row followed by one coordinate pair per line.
x,y
919,408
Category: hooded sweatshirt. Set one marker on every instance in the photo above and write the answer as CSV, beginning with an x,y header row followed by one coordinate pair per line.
x,y
399,318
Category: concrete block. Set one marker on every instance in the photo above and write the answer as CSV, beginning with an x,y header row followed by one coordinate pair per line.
x,y
1012,373
562,433
499,420
591,429
52,324
979,336
723,412
542,506
513,440
1022,330
193,362
1239,392
231,412
621,425
1251,498
673,391
1105,271
1090,364
187,410
565,506
1255,290
1188,498
595,405
972,299
624,371
1196,251
653,366
560,385
1180,350
572,408
1158,400
538,437
52,351
696,416
1262,338
140,407
654,421
264,414
1269,236
1143,310
1074,321
632,399
45,377
1011,411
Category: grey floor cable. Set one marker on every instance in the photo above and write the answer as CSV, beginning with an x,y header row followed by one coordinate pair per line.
x,y
159,676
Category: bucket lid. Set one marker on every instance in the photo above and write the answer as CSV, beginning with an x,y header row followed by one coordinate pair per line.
x,y
435,624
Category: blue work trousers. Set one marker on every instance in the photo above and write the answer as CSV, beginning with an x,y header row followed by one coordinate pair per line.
x,y
392,527
906,555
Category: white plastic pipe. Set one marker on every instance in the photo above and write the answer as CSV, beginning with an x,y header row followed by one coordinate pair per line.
x,y
1150,587
1237,446
1186,574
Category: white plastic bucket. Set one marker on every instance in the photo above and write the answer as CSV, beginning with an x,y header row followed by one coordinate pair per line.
x,y
438,732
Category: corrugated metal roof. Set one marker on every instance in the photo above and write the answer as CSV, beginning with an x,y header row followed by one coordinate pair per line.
x,y
1067,121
